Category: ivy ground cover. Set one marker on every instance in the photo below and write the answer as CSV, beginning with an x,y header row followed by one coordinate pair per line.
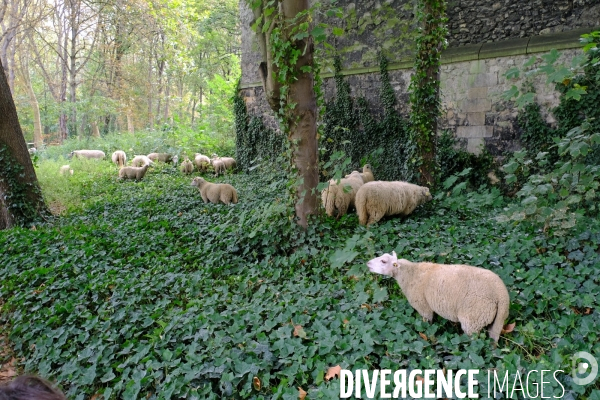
x,y
146,292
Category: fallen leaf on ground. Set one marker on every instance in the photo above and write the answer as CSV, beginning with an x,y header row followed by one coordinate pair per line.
x,y
256,383
424,336
299,331
332,372
301,393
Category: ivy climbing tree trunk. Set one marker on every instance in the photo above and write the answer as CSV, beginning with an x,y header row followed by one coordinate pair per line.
x,y
21,199
287,75
425,86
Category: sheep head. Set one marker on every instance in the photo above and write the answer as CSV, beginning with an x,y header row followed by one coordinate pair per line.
x,y
384,265
426,195
197,181
367,168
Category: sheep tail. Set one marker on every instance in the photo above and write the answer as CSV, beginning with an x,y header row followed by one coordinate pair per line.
x,y
234,198
502,307
360,203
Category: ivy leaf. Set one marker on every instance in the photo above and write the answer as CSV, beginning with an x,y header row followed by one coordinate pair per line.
x,y
551,57
379,295
530,62
575,93
340,257
512,73
269,11
318,33
510,93
299,332
338,31
558,75
525,99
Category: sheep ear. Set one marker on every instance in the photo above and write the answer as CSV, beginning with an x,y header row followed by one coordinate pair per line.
x,y
394,254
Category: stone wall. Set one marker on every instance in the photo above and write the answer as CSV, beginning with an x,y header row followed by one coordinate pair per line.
x,y
482,21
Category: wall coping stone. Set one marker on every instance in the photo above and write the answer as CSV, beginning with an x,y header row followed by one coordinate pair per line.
x,y
505,48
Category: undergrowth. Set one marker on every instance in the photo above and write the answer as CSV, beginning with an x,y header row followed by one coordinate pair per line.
x,y
145,291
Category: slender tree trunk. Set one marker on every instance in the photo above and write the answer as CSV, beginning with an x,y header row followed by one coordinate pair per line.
x,y
193,111
37,120
73,72
167,99
21,198
95,130
130,126
150,95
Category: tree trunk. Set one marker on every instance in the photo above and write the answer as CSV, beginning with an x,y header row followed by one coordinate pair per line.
x,y
37,120
21,198
167,99
130,126
302,118
95,130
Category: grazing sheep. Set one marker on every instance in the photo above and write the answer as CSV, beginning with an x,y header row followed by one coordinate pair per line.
x,y
66,169
229,162
162,157
90,154
475,297
367,173
186,166
374,200
218,165
202,162
119,157
215,192
140,161
136,173
340,196
176,159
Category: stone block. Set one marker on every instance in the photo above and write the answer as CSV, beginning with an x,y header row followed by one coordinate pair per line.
x,y
475,145
487,79
478,93
476,105
474,131
476,118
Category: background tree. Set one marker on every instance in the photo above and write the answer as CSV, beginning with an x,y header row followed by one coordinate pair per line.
x,y
287,74
21,199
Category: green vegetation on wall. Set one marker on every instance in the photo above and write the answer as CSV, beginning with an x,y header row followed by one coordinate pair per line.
x,y
351,127
254,142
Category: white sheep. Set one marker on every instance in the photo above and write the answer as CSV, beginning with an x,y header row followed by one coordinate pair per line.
x,y
32,150
136,173
176,159
340,196
162,157
140,161
186,166
366,175
90,154
119,157
66,169
202,162
374,200
218,166
229,162
475,297
215,192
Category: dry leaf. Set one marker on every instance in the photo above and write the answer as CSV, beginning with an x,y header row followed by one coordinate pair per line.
x,y
332,372
424,336
256,383
96,396
420,378
301,393
299,332
179,214
367,306
346,322
508,328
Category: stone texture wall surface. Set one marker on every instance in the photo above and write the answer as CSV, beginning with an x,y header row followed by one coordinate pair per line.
x,y
482,21
474,109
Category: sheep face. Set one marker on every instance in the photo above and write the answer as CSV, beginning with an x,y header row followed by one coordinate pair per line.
x,y
197,181
384,265
426,195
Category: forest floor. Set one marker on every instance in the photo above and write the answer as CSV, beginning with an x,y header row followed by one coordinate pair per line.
x,y
141,289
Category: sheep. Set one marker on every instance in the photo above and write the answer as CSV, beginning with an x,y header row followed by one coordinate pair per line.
x,y
215,192
162,157
229,162
136,173
140,161
202,162
218,165
374,200
66,168
119,157
340,196
176,159
90,154
32,150
475,297
366,175
186,166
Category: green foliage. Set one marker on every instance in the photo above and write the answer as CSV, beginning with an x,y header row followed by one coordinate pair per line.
x,y
149,292
254,142
425,87
381,140
452,161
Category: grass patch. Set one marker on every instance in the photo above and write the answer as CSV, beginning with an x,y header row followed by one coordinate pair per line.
x,y
141,289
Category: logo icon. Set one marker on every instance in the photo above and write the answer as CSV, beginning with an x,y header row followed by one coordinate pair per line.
x,y
580,368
